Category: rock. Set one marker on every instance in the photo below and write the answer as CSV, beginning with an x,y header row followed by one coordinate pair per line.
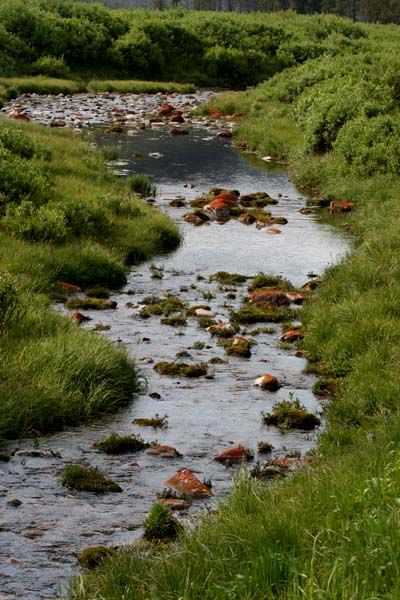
x,y
240,346
215,114
185,482
268,296
14,502
219,210
155,396
228,196
296,297
69,287
237,454
79,317
246,218
268,382
166,110
177,203
337,206
305,211
178,131
38,453
93,556
225,135
202,312
310,285
177,118
175,503
57,123
164,451
20,116
196,219
273,230
292,335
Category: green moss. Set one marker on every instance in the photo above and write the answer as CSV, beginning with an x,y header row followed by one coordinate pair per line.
x,y
181,369
225,278
267,314
290,414
223,332
166,306
88,479
259,214
205,322
262,280
175,321
264,448
325,387
268,470
121,444
238,348
156,421
98,292
257,200
92,557
200,202
160,524
90,304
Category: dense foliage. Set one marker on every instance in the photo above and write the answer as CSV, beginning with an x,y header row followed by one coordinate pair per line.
x,y
59,37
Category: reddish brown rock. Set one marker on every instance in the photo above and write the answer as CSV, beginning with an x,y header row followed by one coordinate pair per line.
x,y
79,317
185,482
175,503
177,118
219,210
296,297
195,219
268,382
337,206
292,335
20,116
69,287
227,196
247,218
166,110
215,114
268,296
236,454
178,131
164,451
57,123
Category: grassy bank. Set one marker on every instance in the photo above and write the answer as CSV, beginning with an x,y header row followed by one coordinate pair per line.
x,y
330,531
63,218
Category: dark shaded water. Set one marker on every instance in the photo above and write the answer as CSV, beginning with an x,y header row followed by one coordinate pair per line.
x,y
39,540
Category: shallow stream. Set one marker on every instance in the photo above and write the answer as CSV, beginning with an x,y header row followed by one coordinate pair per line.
x,y
40,539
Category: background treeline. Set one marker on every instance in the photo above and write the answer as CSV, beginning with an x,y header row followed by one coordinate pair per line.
x,y
73,39
373,11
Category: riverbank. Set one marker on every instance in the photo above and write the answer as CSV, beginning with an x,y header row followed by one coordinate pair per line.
x,y
329,531
66,223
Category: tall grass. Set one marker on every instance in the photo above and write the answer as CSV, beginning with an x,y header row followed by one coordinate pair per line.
x,y
133,86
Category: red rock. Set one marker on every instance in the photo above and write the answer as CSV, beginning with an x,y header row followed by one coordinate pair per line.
x,y
195,219
268,382
177,119
164,451
236,454
296,297
337,206
175,503
268,296
185,482
292,335
219,209
20,117
79,317
166,110
69,287
215,114
228,196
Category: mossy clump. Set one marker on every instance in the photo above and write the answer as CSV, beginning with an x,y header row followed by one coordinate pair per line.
x,y
325,387
262,280
290,414
264,216
174,321
225,278
121,444
90,304
160,524
223,332
264,448
257,200
198,345
92,557
180,369
265,314
260,330
216,360
88,479
200,202
206,322
98,292
268,470
166,306
155,421
238,347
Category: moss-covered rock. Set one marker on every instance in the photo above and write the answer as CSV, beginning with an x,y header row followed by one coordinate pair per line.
x,y
91,304
181,369
263,280
155,421
290,414
120,444
92,557
165,306
174,321
265,314
225,278
160,524
87,479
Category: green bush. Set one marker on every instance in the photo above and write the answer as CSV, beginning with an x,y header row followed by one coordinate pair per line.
x,y
83,219
160,524
51,66
44,224
140,184
19,179
9,301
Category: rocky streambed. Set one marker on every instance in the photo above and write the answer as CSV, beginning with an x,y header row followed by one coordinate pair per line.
x,y
44,525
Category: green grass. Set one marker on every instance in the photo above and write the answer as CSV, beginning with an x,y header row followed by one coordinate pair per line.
x,y
87,479
132,86
54,374
40,85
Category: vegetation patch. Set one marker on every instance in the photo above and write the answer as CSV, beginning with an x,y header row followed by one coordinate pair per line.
x,y
155,421
160,524
92,557
290,414
266,314
263,280
88,479
166,306
225,278
175,321
90,304
121,444
181,369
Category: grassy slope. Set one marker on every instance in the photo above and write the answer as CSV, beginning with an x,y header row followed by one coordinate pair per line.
x,y
330,532
52,373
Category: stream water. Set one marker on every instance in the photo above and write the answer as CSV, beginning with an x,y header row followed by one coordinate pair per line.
x,y
39,540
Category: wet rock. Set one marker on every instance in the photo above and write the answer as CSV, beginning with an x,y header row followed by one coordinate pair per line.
x,y
155,396
269,296
273,230
166,110
196,218
257,200
121,444
57,123
14,502
202,312
237,454
246,218
177,202
305,211
296,297
311,285
268,382
177,131
20,116
38,453
180,369
240,346
219,210
292,335
78,317
177,118
102,327
164,451
185,482
156,421
175,503
337,206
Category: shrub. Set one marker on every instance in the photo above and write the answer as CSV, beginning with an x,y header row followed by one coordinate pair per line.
x,y
51,66
84,219
44,224
19,179
121,444
88,479
160,524
140,184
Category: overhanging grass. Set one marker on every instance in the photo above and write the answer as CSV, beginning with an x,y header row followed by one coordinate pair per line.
x,y
40,85
133,86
